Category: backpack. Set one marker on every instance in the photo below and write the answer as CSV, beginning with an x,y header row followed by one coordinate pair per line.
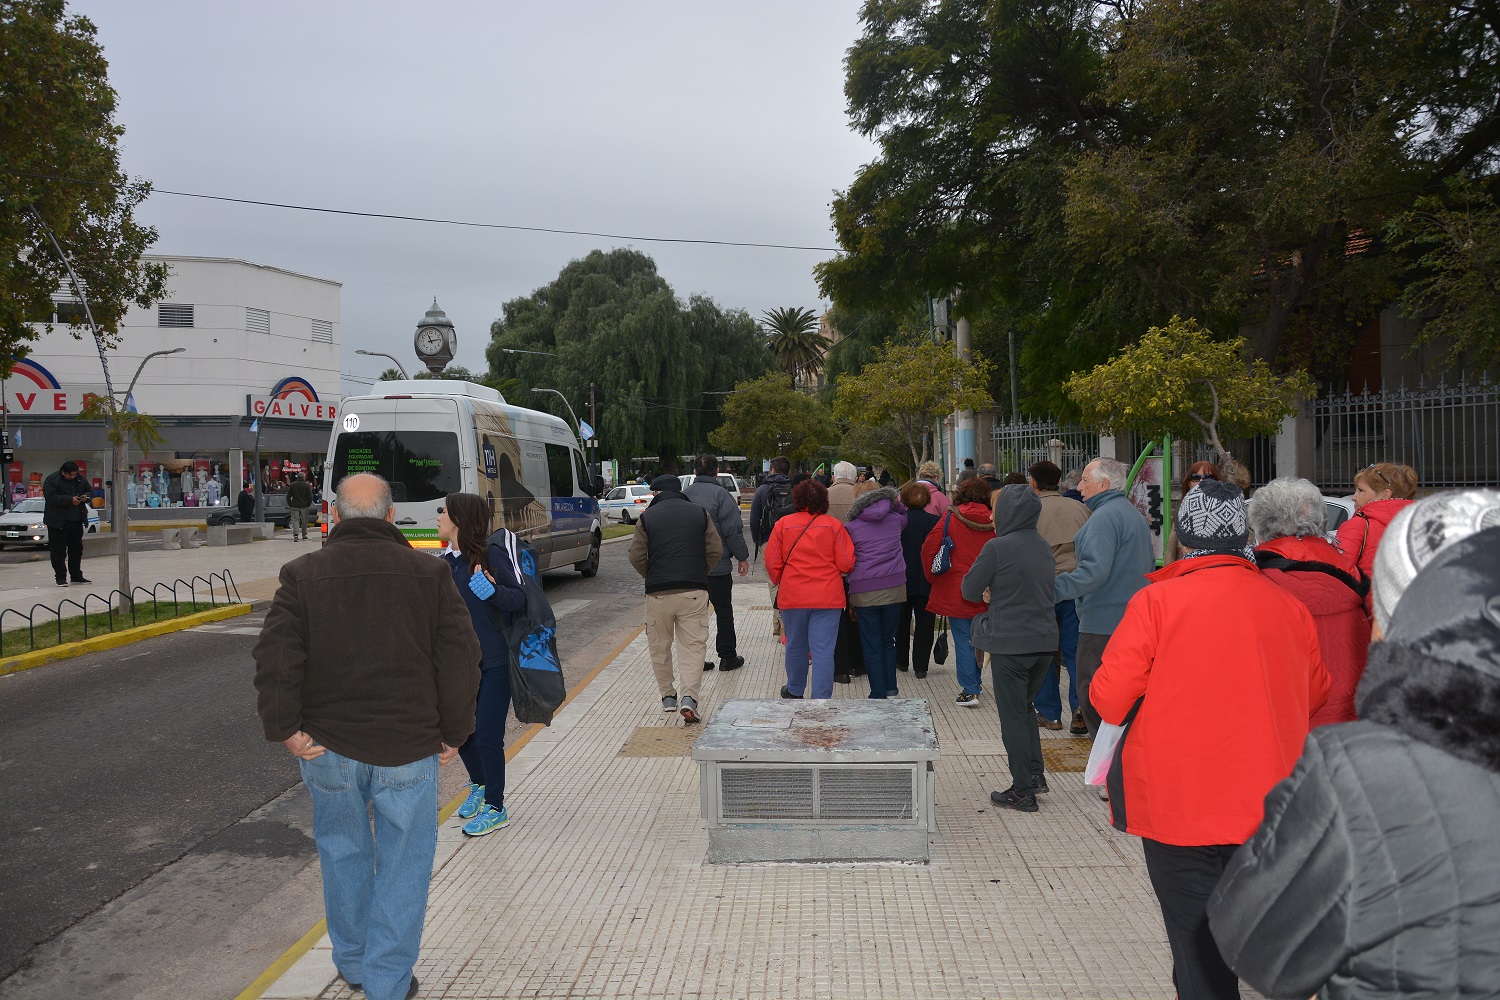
x,y
778,505
537,688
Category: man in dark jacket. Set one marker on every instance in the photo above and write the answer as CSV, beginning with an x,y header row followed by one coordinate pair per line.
x,y
772,501
299,499
724,508
246,504
675,546
1373,872
65,497
367,669
1013,575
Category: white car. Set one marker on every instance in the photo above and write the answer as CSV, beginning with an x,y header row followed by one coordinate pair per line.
x,y
1339,510
22,524
625,503
726,480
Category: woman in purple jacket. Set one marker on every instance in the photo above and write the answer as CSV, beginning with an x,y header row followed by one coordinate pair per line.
x,y
877,583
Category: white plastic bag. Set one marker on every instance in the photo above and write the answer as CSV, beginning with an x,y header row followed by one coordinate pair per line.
x,y
1105,741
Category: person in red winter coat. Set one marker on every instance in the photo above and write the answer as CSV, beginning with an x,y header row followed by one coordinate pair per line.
x,y
1289,519
1215,672
970,523
1380,491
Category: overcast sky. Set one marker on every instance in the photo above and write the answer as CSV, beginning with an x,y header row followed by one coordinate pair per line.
x,y
700,120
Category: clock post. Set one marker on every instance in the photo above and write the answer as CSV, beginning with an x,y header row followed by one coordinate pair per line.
x,y
436,342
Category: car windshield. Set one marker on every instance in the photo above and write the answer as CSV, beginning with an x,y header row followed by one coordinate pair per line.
x,y
32,506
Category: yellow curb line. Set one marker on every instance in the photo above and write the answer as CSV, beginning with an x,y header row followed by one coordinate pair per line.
x,y
112,640
305,943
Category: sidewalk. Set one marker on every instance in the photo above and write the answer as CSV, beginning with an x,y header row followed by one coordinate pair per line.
x,y
254,568
600,887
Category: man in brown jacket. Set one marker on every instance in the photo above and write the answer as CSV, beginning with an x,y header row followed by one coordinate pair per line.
x,y
1060,520
367,670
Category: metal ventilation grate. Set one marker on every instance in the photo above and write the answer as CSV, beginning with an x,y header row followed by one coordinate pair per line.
x,y
257,321
865,793
174,314
322,331
766,792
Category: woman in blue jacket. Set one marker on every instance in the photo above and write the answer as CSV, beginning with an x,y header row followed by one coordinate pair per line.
x,y
489,580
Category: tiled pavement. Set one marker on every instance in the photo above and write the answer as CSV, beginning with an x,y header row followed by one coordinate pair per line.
x,y
600,887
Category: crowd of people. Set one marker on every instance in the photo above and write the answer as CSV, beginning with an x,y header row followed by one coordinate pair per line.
x,y
1306,726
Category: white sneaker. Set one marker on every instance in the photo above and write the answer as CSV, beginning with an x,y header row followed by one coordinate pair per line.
x,y
1104,792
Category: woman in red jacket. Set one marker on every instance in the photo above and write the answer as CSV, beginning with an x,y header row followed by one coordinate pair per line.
x,y
1380,491
1289,518
807,556
970,523
1215,672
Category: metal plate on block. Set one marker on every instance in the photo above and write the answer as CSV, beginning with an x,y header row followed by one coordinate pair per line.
x,y
659,741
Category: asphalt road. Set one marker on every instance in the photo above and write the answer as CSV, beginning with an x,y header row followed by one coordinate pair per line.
x,y
156,844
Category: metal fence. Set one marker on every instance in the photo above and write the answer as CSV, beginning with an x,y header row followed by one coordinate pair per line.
x,y
1021,444
1449,433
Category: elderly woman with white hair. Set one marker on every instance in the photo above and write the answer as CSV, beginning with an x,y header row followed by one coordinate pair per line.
x,y
1289,522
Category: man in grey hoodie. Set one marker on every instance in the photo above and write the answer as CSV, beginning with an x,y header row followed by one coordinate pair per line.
x,y
1114,555
1013,574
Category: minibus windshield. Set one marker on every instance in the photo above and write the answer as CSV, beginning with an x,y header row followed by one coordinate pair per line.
x,y
420,465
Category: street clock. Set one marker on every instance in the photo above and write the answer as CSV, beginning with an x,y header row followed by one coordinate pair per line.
x,y
436,341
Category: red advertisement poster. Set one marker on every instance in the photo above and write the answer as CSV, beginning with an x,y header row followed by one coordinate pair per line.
x,y
34,485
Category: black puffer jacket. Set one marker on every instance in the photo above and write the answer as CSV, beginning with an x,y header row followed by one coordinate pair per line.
x,y
1376,871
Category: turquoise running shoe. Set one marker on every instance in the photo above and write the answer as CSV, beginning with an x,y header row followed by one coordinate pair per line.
x,y
487,822
473,803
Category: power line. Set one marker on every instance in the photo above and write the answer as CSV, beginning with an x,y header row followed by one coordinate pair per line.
x,y
446,222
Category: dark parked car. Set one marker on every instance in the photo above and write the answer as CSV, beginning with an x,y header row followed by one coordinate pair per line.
x,y
276,511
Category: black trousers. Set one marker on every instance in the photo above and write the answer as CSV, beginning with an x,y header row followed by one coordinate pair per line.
x,y
914,646
1183,879
721,596
848,651
65,542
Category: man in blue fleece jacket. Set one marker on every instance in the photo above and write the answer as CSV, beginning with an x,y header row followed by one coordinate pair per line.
x,y
1114,555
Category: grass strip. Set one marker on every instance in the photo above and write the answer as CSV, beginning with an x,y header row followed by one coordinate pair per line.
x,y
617,531
78,627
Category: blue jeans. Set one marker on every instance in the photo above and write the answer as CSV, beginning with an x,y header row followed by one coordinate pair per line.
x,y
814,629
1049,699
877,637
374,881
965,665
483,752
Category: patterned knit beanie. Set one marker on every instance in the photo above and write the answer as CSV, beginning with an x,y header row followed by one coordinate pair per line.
x,y
1211,518
1418,532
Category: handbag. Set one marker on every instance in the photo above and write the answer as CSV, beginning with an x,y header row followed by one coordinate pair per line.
x,y
942,559
776,601
940,647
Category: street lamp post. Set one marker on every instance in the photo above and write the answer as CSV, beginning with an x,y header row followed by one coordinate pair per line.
x,y
565,403
119,516
382,354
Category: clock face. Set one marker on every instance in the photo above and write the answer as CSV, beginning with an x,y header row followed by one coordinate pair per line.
x,y
430,341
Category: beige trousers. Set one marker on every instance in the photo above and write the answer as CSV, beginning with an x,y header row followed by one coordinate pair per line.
x,y
775,614
683,617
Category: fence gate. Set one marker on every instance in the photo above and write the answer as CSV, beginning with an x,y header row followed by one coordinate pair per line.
x,y
1021,444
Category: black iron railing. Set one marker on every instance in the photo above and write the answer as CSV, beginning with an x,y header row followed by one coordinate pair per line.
x,y
159,595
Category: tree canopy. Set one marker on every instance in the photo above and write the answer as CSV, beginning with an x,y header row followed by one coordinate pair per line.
x,y
765,417
912,386
661,367
1098,167
60,174
1178,380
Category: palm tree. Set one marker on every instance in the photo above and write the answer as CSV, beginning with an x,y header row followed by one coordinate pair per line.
x,y
792,335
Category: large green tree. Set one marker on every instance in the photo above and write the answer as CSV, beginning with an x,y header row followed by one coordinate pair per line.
x,y
765,417
60,178
660,367
911,386
1096,168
